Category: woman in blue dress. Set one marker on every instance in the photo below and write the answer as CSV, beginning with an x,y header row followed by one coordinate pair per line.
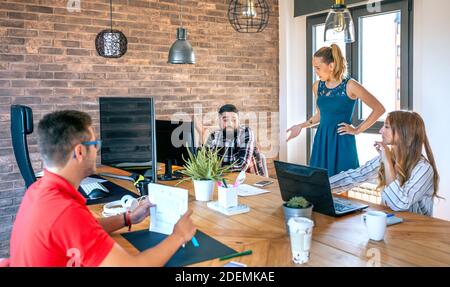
x,y
334,146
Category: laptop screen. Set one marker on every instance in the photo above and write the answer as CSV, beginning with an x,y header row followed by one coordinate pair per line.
x,y
311,183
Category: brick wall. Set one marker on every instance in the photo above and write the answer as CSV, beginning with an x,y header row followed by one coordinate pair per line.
x,y
48,61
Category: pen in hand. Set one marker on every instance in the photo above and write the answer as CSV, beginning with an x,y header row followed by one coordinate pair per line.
x,y
194,242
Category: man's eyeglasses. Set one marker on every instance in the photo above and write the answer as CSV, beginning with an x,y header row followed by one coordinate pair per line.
x,y
97,144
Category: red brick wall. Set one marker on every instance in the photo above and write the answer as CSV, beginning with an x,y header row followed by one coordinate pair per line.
x,y
48,62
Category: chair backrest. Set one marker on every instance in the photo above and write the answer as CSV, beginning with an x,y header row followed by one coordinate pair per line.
x,y
264,164
21,126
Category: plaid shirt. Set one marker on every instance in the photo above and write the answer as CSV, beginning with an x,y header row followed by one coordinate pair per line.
x,y
238,148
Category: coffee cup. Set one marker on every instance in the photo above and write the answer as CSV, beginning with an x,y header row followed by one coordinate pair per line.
x,y
375,223
300,231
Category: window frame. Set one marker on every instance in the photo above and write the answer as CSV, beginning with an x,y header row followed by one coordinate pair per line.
x,y
352,52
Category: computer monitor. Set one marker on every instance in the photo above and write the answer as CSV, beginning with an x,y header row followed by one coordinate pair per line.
x,y
127,130
172,140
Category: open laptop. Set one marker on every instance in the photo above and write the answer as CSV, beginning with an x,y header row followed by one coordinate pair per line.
x,y
313,184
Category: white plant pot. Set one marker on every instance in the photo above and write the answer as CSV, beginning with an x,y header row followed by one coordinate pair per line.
x,y
204,189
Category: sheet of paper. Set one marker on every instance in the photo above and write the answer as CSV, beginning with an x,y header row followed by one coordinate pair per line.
x,y
248,190
170,204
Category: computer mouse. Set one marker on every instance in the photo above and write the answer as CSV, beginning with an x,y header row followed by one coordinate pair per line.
x,y
98,193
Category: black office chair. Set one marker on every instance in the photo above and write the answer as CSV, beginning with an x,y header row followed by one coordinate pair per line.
x,y
21,126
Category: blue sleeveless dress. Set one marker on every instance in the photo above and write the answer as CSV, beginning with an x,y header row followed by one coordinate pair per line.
x,y
332,151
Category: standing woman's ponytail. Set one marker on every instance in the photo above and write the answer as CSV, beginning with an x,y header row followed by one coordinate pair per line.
x,y
340,69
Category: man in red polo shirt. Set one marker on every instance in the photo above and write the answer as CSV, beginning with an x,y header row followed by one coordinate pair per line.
x,y
53,226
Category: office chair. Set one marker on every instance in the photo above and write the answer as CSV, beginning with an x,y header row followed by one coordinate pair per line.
x,y
264,164
21,126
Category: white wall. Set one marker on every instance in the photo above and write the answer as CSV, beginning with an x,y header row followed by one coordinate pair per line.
x,y
292,81
431,84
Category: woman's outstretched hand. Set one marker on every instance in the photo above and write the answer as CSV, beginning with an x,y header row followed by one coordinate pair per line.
x,y
294,132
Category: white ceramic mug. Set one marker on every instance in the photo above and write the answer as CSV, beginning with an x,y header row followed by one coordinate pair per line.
x,y
300,231
375,222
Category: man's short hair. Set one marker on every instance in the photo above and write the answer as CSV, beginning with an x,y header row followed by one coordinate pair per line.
x,y
228,108
59,132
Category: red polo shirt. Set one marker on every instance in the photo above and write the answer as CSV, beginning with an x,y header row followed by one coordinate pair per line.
x,y
53,227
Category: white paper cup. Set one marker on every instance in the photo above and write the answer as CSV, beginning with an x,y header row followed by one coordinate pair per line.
x,y
375,222
300,231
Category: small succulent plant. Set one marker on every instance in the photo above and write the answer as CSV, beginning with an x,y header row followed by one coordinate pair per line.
x,y
298,202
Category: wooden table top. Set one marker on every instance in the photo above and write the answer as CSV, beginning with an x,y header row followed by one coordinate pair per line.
x,y
418,241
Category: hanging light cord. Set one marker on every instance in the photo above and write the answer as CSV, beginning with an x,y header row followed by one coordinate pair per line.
x,y
110,13
181,15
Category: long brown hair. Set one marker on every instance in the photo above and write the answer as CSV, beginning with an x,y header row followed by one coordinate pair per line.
x,y
333,54
408,128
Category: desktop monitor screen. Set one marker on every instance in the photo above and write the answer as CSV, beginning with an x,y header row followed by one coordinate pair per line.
x,y
127,128
172,140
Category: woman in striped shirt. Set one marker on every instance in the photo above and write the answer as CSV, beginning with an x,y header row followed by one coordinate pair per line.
x,y
408,181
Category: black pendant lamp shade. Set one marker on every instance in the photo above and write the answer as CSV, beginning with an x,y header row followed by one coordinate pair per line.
x,y
111,43
248,16
181,51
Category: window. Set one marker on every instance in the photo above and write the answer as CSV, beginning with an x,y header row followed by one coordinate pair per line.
x,y
380,59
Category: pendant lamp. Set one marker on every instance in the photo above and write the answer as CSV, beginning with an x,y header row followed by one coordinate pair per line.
x,y
111,43
181,51
339,24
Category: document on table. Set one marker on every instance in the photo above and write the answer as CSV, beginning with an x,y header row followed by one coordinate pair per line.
x,y
248,190
170,204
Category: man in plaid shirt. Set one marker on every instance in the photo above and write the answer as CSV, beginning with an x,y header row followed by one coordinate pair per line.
x,y
236,143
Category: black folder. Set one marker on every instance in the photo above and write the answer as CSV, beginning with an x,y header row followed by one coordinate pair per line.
x,y
208,249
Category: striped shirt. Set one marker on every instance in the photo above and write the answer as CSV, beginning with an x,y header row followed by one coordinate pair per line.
x,y
416,194
238,148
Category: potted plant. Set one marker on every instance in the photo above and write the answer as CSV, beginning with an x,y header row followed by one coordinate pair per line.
x,y
297,206
204,168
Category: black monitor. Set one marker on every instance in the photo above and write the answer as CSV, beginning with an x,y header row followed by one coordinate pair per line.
x,y
127,130
172,140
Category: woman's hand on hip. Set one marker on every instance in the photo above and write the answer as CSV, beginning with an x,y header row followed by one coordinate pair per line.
x,y
346,129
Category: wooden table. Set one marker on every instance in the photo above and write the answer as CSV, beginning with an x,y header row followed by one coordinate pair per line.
x,y
418,241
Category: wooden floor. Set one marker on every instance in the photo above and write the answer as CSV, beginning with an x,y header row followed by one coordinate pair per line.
x,y
418,241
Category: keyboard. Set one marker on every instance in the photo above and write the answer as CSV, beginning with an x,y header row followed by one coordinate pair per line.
x,y
89,187
343,205
178,174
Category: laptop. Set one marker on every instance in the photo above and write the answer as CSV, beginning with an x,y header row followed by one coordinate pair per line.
x,y
314,185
